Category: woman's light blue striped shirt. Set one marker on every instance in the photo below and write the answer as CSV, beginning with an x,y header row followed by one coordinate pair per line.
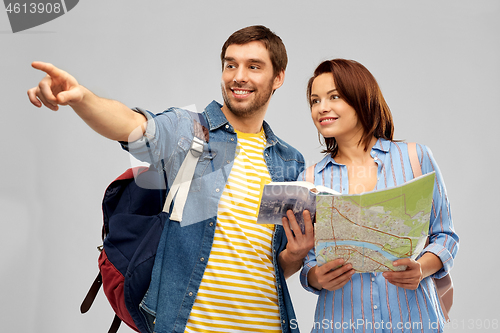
x,y
368,303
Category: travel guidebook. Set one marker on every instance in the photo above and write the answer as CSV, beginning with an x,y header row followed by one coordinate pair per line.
x,y
368,230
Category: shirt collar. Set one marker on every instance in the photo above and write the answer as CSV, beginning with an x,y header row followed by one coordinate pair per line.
x,y
381,145
217,119
215,116
270,137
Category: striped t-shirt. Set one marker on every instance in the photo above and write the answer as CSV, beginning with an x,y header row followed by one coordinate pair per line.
x,y
238,290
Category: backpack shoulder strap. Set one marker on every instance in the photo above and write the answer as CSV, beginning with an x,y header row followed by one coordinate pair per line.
x,y
414,162
444,286
310,174
182,183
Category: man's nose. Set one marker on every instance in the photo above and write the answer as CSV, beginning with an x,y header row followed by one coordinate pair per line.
x,y
241,75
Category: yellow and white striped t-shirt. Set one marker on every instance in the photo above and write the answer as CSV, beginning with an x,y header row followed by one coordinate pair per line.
x,y
238,290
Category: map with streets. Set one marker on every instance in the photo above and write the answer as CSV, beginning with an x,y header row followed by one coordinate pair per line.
x,y
373,229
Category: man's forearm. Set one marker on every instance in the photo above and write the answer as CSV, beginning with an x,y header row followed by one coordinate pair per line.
x,y
110,118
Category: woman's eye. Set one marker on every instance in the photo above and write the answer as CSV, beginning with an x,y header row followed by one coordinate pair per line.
x,y
335,97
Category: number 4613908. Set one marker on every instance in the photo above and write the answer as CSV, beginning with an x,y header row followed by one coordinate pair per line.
x,y
34,8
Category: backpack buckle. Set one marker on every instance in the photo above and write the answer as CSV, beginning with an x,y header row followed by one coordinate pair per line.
x,y
196,147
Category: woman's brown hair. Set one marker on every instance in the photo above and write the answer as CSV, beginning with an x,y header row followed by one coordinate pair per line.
x,y
358,88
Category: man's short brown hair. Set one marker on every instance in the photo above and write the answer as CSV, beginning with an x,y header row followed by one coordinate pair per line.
x,y
272,42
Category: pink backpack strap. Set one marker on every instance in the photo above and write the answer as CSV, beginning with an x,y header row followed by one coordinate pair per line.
x,y
415,163
310,174
444,286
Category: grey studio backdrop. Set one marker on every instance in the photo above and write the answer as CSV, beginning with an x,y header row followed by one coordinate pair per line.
x,y
436,61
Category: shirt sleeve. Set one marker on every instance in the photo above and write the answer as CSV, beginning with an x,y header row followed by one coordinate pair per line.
x,y
443,241
156,143
309,262
148,135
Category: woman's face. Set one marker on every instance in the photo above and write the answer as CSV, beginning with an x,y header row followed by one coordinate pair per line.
x,y
332,116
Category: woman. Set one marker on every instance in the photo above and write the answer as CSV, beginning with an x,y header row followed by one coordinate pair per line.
x,y
352,116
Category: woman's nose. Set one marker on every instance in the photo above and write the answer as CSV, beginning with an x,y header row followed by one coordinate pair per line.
x,y
324,106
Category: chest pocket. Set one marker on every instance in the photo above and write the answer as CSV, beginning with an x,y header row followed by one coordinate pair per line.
x,y
203,168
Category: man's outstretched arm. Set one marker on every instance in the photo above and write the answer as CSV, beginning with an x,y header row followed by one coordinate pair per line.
x,y
109,118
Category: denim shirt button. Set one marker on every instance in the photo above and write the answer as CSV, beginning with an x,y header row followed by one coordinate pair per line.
x,y
211,224
232,139
202,259
190,293
227,126
217,190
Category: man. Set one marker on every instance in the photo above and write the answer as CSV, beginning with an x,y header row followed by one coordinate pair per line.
x,y
222,272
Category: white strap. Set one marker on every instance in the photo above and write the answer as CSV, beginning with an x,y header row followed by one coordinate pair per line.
x,y
182,182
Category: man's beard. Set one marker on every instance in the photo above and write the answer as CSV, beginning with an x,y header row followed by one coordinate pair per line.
x,y
260,99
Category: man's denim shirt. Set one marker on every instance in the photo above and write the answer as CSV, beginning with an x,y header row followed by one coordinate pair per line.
x,y
183,252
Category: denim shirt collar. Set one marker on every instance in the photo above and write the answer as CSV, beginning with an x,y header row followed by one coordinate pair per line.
x,y
215,116
217,119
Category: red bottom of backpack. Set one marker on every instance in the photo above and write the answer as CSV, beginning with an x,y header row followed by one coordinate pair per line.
x,y
112,284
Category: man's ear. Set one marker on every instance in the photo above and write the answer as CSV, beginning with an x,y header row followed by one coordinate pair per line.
x,y
278,80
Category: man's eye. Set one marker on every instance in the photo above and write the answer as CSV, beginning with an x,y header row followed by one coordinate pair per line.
x,y
254,67
229,66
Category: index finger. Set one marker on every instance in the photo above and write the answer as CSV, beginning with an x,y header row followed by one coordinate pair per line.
x,y
50,69
331,265
403,261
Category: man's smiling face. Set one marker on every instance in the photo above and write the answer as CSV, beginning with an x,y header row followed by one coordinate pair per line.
x,y
248,79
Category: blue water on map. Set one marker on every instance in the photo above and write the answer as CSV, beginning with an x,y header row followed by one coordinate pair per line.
x,y
364,244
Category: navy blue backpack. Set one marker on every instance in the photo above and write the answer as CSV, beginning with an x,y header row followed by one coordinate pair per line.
x,y
135,209
132,226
